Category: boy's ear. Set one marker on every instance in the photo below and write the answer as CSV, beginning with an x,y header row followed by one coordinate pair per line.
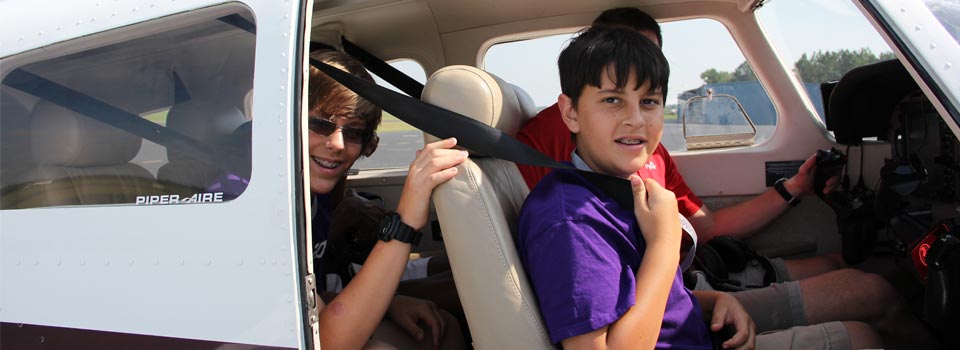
x,y
568,113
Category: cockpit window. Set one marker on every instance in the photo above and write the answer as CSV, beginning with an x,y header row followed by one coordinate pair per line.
x,y
703,58
821,41
149,114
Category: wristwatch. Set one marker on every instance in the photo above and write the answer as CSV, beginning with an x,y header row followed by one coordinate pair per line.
x,y
391,228
782,190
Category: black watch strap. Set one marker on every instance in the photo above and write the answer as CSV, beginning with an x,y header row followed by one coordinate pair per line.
x,y
782,190
392,228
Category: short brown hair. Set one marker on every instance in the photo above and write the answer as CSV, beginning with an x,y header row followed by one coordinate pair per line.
x,y
632,18
328,96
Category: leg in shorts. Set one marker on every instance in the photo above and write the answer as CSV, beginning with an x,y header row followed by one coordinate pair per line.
x,y
830,335
777,311
777,306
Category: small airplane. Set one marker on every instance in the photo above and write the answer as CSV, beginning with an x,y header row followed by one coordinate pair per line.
x,y
116,116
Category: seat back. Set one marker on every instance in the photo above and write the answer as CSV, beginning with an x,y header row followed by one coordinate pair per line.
x,y
14,139
78,161
528,108
208,123
478,212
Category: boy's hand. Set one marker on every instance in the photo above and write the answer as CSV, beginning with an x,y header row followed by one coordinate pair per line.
x,y
435,164
728,311
656,211
408,312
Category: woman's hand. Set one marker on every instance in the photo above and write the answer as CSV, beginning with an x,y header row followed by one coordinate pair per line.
x,y
408,312
728,311
435,164
656,210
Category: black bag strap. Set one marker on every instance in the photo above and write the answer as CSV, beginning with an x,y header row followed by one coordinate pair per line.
x,y
725,254
470,133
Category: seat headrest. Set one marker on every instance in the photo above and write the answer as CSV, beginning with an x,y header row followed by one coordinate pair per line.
x,y
62,137
204,121
14,132
475,94
863,101
248,104
528,108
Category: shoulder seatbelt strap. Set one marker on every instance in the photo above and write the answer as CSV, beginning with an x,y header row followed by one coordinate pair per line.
x,y
470,133
383,70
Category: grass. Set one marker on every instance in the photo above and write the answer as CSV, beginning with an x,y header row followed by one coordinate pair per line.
x,y
392,124
158,117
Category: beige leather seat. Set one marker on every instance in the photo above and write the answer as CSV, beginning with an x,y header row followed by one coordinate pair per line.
x,y
478,215
14,139
78,161
208,123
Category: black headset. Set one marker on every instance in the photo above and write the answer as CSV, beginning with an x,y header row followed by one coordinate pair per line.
x,y
725,254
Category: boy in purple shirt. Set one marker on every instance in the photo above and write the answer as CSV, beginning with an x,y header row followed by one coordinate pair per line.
x,y
606,276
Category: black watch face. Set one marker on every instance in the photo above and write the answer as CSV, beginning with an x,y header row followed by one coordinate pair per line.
x,y
387,225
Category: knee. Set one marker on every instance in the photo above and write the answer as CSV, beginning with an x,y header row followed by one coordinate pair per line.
x,y
835,261
375,344
453,336
450,322
879,288
862,336
877,297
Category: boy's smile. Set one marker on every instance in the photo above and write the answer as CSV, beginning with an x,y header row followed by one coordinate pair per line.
x,y
617,129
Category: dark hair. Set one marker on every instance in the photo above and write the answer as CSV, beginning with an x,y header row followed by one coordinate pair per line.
x,y
629,17
328,96
588,55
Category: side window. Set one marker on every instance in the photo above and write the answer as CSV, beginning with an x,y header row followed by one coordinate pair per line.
x,y
715,99
399,141
149,114
724,72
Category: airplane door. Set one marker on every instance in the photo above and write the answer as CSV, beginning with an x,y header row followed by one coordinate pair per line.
x,y
151,194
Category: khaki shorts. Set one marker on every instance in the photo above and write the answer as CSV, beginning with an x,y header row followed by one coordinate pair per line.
x,y
777,311
830,335
777,306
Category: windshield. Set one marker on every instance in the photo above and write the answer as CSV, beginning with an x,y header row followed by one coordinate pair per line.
x,y
821,40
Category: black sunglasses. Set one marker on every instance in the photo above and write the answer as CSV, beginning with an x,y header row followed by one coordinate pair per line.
x,y
326,128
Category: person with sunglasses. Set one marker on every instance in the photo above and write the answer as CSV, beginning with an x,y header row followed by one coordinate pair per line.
x,y
342,128
367,313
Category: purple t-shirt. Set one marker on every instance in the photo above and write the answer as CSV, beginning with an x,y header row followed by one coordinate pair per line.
x,y
581,251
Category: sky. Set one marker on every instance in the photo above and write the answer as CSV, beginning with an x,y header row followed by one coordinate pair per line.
x,y
693,46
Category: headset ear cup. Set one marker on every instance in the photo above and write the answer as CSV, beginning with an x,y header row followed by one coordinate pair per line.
x,y
712,262
731,251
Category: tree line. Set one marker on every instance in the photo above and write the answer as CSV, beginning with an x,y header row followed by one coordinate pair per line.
x,y
819,67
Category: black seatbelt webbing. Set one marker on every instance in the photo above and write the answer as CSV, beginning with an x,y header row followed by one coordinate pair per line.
x,y
383,70
470,133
